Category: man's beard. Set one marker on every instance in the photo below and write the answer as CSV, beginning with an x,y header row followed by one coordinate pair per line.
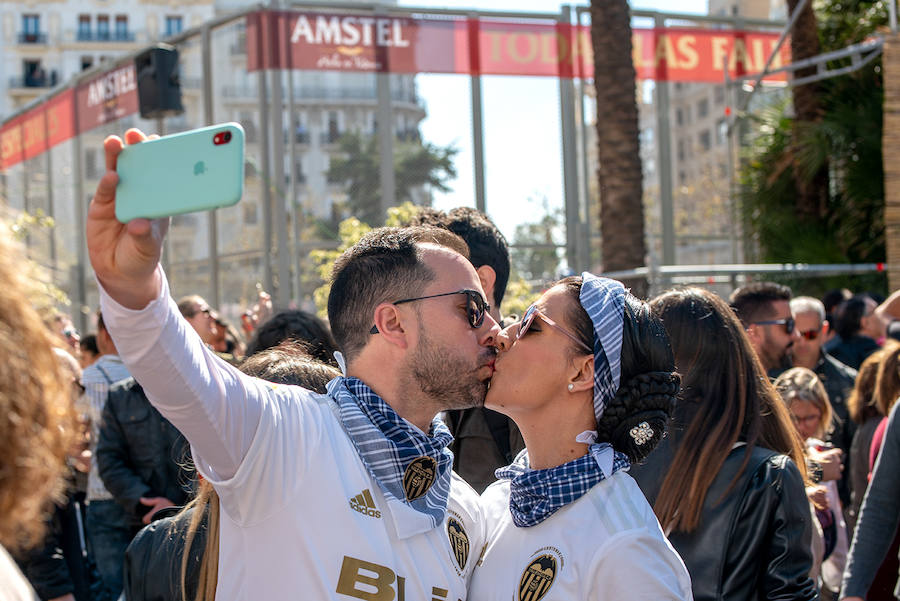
x,y
446,377
779,361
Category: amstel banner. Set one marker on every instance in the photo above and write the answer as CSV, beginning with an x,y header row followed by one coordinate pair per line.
x,y
386,44
347,42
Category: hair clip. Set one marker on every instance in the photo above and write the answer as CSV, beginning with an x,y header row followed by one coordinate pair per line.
x,y
642,433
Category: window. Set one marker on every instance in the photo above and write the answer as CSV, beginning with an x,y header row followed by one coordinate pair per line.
x,y
334,131
31,24
173,25
719,94
31,30
721,131
122,28
90,162
681,150
84,27
705,140
87,62
250,214
679,117
103,27
702,108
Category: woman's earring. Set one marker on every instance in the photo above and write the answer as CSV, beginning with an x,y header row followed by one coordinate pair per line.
x,y
571,387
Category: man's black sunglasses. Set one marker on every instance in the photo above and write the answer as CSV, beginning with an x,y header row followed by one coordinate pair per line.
x,y
787,322
476,306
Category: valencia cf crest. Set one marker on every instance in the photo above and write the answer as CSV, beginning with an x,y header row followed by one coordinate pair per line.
x,y
459,542
419,477
537,578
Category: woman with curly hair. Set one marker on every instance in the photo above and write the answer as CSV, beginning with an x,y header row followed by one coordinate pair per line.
x,y
36,421
588,376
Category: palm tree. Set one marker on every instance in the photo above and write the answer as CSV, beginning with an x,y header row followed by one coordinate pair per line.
x,y
619,172
811,187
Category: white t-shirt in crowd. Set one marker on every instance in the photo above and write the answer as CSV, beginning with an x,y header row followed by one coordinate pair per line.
x,y
606,545
301,516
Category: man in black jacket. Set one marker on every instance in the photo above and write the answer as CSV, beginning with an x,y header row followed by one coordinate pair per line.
x,y
143,459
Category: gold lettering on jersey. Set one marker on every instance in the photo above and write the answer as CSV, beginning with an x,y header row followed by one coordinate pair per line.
x,y
355,572
459,542
419,477
369,581
537,578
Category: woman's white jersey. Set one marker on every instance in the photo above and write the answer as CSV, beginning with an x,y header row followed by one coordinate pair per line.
x,y
606,545
301,516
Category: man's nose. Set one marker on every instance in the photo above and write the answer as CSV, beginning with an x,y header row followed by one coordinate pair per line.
x,y
490,331
507,337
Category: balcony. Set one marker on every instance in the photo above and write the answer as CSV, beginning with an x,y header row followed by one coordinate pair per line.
x,y
34,81
104,36
32,37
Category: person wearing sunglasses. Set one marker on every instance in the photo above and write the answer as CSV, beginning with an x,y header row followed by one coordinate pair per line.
x,y
764,310
838,378
588,376
344,495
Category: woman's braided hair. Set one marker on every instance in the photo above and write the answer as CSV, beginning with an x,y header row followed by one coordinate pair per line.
x,y
635,420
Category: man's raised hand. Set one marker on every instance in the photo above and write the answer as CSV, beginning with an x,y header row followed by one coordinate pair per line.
x,y
124,256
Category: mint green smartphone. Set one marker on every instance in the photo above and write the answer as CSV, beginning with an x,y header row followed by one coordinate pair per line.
x,y
196,170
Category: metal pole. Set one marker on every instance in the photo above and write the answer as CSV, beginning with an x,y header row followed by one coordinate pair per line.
x,y
265,180
574,256
80,270
50,208
892,12
213,221
477,111
296,209
666,202
385,129
282,291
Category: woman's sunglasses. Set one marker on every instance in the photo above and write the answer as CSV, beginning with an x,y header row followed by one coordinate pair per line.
x,y
476,306
533,312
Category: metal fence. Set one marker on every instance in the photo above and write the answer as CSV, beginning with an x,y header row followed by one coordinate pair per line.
x,y
302,78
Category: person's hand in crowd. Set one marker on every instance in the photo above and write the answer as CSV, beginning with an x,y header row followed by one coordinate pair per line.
x,y
124,256
69,597
830,460
852,599
258,313
155,504
818,497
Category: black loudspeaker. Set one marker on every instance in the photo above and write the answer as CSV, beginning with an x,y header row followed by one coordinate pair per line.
x,y
158,82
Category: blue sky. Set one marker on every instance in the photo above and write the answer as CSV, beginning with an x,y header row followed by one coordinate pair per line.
x,y
523,158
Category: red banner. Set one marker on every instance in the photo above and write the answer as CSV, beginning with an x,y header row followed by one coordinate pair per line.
x,y
106,98
316,41
38,130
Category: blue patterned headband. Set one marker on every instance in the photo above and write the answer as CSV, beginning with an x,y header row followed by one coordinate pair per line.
x,y
604,301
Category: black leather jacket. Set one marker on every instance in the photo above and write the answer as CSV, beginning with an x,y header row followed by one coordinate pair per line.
x,y
152,567
139,453
755,544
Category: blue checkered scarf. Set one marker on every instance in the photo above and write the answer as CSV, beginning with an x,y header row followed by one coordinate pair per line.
x,y
535,495
387,444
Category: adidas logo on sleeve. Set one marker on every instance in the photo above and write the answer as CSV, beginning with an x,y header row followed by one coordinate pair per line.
x,y
365,504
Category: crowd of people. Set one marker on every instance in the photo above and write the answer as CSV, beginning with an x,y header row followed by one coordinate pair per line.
x,y
420,445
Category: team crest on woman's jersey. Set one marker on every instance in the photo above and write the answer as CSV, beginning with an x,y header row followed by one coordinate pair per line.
x,y
538,577
419,477
459,542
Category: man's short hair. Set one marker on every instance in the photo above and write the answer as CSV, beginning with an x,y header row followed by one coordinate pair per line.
x,y
298,325
808,304
487,246
186,304
384,266
849,317
753,302
289,363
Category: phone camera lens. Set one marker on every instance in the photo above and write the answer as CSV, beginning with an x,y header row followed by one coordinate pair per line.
x,y
227,137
